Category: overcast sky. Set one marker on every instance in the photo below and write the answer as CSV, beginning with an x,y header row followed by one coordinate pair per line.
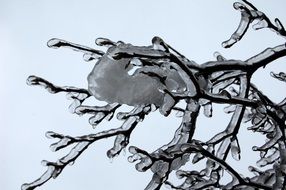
x,y
195,28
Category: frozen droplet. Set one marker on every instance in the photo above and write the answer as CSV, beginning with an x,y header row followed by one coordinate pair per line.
x,y
159,44
255,171
229,109
235,149
278,24
50,134
130,159
237,5
44,162
54,43
110,153
228,43
25,186
53,147
218,56
74,105
132,149
104,42
208,109
96,119
90,56
71,163
31,80
254,148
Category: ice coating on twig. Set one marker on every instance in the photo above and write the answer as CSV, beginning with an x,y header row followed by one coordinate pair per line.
x,y
57,43
249,14
280,76
158,77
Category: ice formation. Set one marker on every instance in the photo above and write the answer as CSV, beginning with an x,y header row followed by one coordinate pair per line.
x,y
110,80
158,77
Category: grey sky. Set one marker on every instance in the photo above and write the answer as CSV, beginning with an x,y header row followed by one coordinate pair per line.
x,y
195,28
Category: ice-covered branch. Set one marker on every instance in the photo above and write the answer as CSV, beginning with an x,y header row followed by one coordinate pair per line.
x,y
162,161
89,53
249,13
280,76
82,142
158,77
38,81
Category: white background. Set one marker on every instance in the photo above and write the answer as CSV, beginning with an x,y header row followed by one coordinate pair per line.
x,y
195,28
